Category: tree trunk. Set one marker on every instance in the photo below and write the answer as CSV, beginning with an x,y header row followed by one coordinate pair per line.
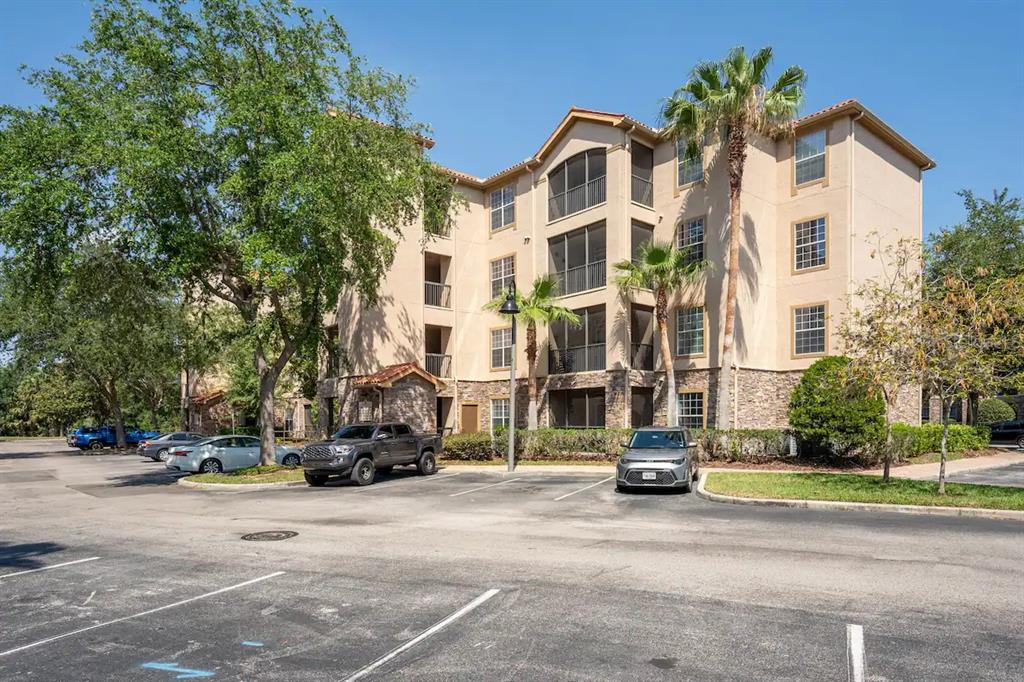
x,y
269,374
186,422
115,409
737,158
888,451
531,388
671,400
942,450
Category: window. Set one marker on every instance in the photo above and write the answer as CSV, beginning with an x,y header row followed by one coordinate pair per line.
x,y
578,348
641,234
926,407
576,184
690,331
577,259
642,187
691,410
503,207
810,157
809,242
809,330
402,430
501,348
688,169
579,408
499,413
691,238
503,275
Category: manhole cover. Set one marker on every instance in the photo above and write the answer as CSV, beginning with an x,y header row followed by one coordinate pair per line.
x,y
270,535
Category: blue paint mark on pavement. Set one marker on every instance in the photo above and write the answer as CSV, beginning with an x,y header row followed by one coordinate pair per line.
x,y
183,673
248,643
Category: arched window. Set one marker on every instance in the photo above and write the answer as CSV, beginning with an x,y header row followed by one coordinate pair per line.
x,y
576,184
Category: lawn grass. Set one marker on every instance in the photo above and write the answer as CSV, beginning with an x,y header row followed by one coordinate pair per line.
x,y
858,488
274,473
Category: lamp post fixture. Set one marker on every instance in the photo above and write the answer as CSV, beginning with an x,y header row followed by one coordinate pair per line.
x,y
510,308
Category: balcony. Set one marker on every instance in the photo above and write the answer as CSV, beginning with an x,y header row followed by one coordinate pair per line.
x,y
439,365
582,278
642,191
577,199
578,359
642,356
437,294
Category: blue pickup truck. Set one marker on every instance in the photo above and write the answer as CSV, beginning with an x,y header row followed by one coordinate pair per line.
x,y
96,437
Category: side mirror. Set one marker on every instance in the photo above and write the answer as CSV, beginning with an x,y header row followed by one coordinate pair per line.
x,y
691,445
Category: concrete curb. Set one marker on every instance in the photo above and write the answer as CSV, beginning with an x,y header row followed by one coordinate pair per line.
x,y
236,487
582,469
968,512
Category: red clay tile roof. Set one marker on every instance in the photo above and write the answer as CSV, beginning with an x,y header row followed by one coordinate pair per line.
x,y
387,376
208,397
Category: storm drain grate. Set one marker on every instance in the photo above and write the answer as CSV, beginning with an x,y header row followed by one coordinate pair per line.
x,y
270,535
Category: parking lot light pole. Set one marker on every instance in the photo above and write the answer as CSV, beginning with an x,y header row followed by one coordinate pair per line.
x,y
510,308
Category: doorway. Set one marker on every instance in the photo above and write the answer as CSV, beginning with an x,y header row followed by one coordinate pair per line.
x,y
443,410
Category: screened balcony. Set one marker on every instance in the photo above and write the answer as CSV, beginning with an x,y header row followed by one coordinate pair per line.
x,y
642,167
641,334
578,349
577,259
437,360
577,184
435,271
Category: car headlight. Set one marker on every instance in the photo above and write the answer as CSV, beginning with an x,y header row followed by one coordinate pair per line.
x,y
623,461
342,450
678,461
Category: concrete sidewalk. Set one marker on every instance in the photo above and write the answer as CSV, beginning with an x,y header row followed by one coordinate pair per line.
x,y
931,470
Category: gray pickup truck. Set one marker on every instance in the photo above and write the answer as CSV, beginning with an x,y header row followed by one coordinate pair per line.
x,y
358,451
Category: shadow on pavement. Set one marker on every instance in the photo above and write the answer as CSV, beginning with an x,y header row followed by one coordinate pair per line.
x,y
25,556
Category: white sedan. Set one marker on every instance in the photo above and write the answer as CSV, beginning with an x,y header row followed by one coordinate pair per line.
x,y
226,453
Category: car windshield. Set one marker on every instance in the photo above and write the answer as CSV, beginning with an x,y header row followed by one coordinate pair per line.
x,y
355,431
205,441
658,440
166,436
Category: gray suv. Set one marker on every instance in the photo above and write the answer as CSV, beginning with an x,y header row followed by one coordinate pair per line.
x,y
358,451
658,457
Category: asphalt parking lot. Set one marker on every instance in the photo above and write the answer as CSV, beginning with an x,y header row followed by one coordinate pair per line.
x,y
110,571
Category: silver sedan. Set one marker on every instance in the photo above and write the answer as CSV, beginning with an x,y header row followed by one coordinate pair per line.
x,y
157,448
226,453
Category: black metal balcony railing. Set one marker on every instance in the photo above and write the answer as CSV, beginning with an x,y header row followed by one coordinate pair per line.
x,y
437,294
439,365
577,199
577,359
582,278
642,191
643,356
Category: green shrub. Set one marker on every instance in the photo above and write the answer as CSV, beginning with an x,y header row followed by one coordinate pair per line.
x,y
992,410
928,438
830,413
741,445
563,444
468,447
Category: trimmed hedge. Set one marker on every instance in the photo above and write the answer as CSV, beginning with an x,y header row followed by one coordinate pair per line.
x,y
919,440
992,410
601,445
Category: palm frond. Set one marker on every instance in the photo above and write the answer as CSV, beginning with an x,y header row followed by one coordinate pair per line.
x,y
759,65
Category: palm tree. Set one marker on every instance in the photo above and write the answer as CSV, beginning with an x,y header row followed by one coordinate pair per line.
x,y
665,270
730,99
538,306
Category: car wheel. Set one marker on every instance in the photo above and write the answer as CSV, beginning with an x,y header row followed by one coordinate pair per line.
x,y
96,445
1020,442
363,471
161,455
291,460
427,464
210,466
315,480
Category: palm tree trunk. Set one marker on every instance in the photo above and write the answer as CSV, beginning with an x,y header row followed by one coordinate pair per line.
x,y
671,401
737,158
531,387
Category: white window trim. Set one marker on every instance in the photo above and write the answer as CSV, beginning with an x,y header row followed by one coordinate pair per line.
x,y
507,415
680,316
684,234
680,160
502,331
507,276
500,207
823,328
797,246
821,154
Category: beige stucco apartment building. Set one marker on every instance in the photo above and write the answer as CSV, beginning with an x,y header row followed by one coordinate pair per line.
x,y
599,186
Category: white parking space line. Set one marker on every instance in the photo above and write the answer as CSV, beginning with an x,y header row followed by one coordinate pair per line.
x,y
222,590
47,568
855,658
484,487
389,484
605,480
437,627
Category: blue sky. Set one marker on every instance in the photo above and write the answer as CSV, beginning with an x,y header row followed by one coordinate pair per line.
x,y
495,78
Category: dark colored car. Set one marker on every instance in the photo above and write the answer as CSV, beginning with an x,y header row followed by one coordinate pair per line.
x,y
97,437
357,451
157,448
1011,431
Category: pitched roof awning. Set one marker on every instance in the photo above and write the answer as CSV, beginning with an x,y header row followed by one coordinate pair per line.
x,y
387,376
